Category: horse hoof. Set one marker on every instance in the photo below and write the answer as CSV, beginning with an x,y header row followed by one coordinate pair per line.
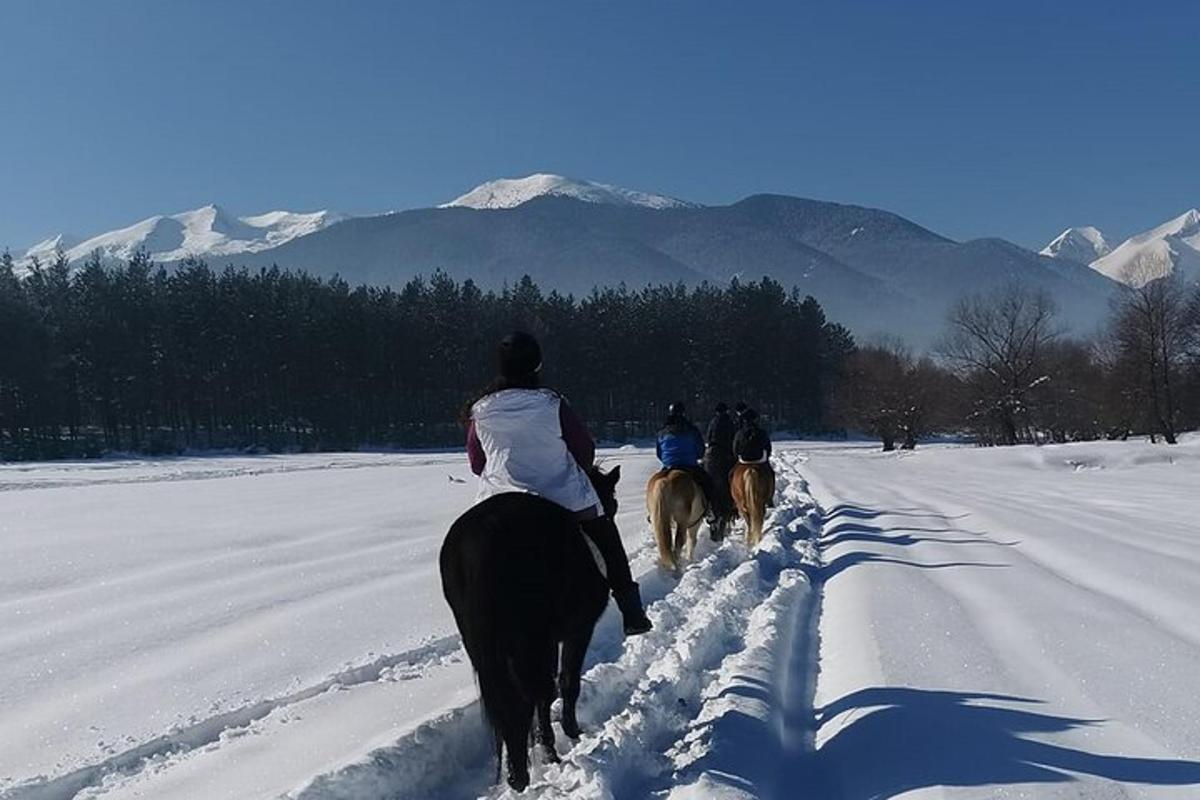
x,y
518,781
551,754
571,729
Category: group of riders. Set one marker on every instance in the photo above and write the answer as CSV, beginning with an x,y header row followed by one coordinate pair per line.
x,y
522,437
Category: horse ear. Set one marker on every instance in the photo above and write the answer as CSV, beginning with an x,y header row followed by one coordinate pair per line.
x,y
614,475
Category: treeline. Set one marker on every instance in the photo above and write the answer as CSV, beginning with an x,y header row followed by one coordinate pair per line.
x,y
1004,373
139,358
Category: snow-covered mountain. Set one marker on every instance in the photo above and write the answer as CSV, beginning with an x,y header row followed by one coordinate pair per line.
x,y
206,231
511,192
48,249
1174,245
872,270
1084,244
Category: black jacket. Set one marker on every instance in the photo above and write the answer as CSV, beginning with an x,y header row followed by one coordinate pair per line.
x,y
720,434
751,443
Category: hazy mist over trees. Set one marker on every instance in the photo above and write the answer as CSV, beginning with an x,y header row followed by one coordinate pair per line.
x,y
139,358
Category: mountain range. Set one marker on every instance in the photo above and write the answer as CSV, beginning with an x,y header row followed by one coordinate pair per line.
x,y
872,270
209,231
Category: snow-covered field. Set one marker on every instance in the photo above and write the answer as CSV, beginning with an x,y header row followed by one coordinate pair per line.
x,y
951,622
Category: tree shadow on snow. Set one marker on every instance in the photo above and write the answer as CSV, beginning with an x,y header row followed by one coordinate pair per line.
x,y
844,562
858,532
862,512
899,739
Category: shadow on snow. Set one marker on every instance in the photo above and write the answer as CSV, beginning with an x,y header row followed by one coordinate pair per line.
x,y
902,739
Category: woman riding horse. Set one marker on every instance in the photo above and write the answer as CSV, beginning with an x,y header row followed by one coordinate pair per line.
x,y
523,438
680,445
680,495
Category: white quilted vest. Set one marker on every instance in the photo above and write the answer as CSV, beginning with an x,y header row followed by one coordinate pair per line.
x,y
521,436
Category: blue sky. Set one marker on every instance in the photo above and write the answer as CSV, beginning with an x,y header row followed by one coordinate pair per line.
x,y
1011,119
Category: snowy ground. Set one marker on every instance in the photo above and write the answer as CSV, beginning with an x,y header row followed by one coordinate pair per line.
x,y
952,622
1015,622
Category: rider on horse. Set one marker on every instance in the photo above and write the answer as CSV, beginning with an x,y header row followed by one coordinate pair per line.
x,y
681,446
719,458
523,438
752,445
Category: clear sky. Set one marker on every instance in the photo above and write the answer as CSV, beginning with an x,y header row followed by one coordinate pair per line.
x,y
1011,119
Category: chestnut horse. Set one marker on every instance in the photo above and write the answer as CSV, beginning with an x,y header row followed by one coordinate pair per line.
x,y
676,506
752,486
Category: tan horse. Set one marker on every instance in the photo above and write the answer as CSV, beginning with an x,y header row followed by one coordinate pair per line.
x,y
752,486
675,503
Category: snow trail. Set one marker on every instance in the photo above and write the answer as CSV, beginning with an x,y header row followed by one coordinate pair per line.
x,y
213,730
672,709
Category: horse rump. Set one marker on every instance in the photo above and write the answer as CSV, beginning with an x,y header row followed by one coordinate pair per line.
x,y
505,568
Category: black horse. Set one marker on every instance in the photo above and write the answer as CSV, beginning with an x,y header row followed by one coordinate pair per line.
x,y
522,583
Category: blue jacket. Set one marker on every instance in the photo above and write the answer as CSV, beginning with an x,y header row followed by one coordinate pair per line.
x,y
680,445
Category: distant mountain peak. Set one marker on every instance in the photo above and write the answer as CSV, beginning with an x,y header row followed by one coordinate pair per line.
x,y
1083,244
1185,224
1173,245
512,192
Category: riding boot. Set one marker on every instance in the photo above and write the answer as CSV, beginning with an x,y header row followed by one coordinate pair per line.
x,y
629,600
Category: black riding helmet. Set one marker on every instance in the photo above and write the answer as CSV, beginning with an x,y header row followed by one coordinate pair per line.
x,y
676,410
519,356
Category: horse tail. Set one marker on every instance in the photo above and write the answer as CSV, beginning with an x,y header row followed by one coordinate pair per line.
x,y
659,504
469,568
755,486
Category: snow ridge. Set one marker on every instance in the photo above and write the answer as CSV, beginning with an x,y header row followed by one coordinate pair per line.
x,y
206,231
511,192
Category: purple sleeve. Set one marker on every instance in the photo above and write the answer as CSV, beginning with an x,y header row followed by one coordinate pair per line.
x,y
475,450
576,435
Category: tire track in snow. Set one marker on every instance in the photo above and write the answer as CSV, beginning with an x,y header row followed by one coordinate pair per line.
x,y
210,730
672,707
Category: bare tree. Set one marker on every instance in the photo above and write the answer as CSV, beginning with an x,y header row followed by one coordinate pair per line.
x,y
997,341
1154,332
892,395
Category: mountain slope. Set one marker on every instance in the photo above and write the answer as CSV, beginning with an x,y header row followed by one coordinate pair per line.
x,y
512,192
206,231
872,270
1084,245
1174,245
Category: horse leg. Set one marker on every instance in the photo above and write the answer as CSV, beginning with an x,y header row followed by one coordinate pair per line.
x,y
530,669
545,731
516,741
681,538
569,678
499,754
716,531
544,698
691,540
